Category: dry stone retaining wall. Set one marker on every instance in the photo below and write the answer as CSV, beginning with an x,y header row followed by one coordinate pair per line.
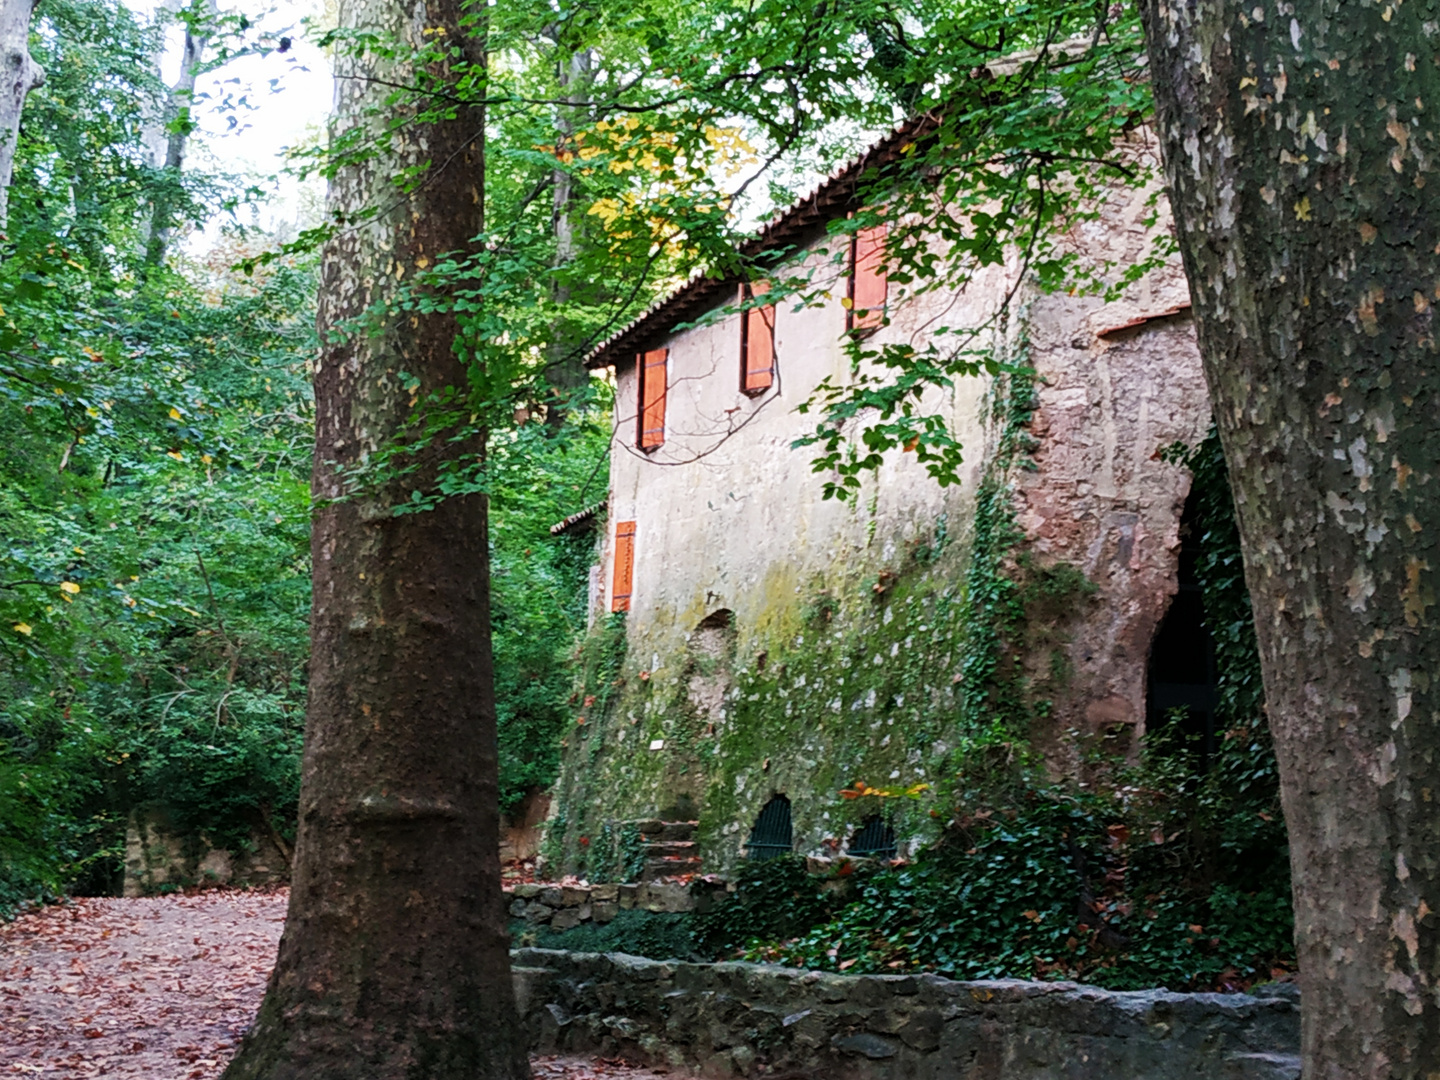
x,y
563,907
735,1019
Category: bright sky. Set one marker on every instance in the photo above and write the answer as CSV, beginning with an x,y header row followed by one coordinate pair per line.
x,y
286,102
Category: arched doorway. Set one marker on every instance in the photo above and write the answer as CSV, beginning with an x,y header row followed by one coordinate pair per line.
x,y
1181,674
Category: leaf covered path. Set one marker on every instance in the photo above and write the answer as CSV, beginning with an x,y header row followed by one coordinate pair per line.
x,y
159,988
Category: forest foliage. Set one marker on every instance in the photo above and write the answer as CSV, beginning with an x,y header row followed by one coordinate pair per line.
x,y
155,454
157,423
1169,871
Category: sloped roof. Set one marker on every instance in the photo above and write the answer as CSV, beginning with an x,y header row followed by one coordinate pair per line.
x,y
835,195
578,521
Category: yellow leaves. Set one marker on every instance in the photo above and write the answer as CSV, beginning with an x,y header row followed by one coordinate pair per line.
x,y
1302,209
22,628
78,550
175,413
206,458
69,588
860,790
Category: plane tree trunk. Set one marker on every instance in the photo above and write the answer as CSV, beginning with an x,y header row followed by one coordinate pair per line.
x,y
21,75
565,367
1300,146
394,961
168,144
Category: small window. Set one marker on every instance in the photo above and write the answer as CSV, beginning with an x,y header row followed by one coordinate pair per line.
x,y
771,835
867,279
757,341
652,367
873,840
622,580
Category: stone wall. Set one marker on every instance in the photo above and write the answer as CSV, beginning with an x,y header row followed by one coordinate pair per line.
x,y
737,1019
780,643
562,907
159,857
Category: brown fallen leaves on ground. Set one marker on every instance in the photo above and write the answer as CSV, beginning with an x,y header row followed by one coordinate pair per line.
x,y
160,988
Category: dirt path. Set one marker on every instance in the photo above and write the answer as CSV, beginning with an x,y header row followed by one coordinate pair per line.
x,y
159,989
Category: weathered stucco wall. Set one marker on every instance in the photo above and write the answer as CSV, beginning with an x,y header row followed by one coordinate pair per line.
x,y
737,1019
781,643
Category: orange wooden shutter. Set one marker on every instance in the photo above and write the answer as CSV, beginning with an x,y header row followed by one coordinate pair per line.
x,y
757,341
622,581
867,279
652,397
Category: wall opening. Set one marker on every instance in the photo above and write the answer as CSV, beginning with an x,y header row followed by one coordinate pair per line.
x,y
771,836
1181,676
874,839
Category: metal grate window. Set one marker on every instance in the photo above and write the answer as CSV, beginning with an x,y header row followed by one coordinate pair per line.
x,y
771,836
873,840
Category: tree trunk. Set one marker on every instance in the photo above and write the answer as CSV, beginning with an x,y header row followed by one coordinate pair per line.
x,y
22,75
565,362
1300,147
169,154
394,962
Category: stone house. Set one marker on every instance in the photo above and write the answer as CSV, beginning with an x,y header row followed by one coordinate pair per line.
x,y
776,647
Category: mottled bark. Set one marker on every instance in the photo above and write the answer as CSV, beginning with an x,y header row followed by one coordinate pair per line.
x,y
21,75
167,145
394,962
1300,144
565,361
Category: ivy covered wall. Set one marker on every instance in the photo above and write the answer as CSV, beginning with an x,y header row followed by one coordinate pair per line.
x,y
921,635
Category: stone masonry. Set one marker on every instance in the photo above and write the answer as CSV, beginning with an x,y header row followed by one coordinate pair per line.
x,y
736,1019
562,907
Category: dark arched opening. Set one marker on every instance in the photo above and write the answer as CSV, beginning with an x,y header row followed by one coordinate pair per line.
x,y
1180,693
874,839
771,836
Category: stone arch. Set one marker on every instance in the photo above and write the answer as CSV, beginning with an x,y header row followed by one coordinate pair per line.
x,y
1180,673
773,834
700,708
873,838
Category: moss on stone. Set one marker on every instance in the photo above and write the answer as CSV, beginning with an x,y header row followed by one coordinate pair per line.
x,y
874,673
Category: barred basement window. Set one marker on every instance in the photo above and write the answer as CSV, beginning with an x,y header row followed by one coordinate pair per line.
x,y
771,835
873,840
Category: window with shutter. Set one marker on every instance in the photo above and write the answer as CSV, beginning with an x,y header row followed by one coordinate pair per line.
x,y
867,279
757,341
622,580
652,366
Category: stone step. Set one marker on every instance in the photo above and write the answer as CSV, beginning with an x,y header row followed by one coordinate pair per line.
x,y
652,831
672,849
662,868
